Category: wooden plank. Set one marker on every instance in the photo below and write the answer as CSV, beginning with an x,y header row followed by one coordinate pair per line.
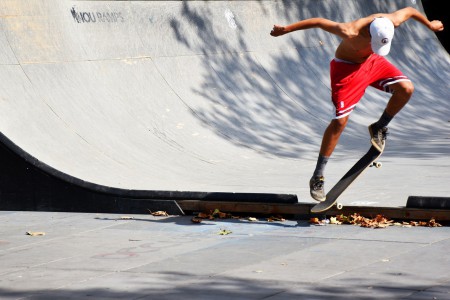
x,y
304,209
242,207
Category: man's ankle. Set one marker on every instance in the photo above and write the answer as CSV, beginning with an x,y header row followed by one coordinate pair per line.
x,y
320,167
384,120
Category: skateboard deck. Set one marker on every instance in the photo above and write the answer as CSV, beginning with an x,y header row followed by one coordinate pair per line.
x,y
331,198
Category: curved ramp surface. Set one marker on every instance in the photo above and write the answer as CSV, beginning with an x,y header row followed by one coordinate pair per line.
x,y
197,96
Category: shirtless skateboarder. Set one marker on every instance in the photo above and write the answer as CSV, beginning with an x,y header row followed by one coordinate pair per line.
x,y
359,62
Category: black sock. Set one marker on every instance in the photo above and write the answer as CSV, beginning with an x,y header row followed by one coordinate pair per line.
x,y
383,121
320,167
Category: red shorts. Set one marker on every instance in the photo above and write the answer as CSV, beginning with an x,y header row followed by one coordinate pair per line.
x,y
350,80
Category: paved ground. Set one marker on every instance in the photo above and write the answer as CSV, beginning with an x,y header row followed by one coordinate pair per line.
x,y
101,256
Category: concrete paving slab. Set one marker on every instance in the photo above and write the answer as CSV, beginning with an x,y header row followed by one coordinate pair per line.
x,y
102,256
145,96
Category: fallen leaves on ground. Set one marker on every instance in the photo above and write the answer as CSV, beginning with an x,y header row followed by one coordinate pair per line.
x,y
159,213
431,223
335,221
315,221
379,221
276,218
212,215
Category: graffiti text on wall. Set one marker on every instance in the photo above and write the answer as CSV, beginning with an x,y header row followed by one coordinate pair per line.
x,y
96,16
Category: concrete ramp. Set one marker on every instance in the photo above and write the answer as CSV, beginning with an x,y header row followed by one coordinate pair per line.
x,y
145,96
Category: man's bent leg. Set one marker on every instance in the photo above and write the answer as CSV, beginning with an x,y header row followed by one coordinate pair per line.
x,y
402,92
329,142
332,135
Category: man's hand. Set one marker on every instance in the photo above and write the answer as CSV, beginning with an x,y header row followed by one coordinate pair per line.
x,y
436,25
278,30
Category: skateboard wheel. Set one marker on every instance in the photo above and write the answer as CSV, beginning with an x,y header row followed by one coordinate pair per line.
x,y
376,164
339,206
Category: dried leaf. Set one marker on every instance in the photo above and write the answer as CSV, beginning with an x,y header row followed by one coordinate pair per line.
x,y
159,213
343,219
224,232
222,215
251,219
333,220
433,223
196,220
318,222
203,215
314,221
35,233
276,218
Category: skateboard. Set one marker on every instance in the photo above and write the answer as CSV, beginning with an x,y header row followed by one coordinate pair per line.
x,y
368,160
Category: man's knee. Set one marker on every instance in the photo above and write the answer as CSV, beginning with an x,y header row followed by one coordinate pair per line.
x,y
408,88
339,124
404,89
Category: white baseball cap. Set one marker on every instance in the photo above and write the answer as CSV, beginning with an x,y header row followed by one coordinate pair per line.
x,y
382,33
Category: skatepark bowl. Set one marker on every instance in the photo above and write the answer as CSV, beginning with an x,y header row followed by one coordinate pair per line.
x,y
115,108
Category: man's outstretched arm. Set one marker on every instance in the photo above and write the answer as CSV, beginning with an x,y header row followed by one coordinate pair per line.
x,y
404,14
325,24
